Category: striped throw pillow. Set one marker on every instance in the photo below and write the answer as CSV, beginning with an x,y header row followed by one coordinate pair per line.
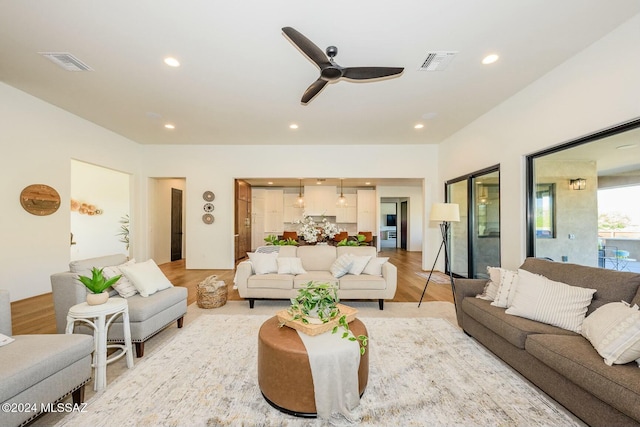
x,y
555,303
506,289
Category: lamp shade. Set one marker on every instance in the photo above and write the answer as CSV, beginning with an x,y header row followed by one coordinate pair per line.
x,y
445,212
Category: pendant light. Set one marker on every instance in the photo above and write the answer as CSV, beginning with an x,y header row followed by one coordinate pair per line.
x,y
342,201
300,201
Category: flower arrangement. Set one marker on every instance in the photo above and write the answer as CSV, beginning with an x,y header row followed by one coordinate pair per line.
x,y
313,232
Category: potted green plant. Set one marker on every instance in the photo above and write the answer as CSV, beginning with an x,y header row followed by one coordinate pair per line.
x,y
318,303
358,241
273,240
97,285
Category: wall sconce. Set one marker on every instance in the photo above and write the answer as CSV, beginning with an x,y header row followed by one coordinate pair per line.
x,y
578,184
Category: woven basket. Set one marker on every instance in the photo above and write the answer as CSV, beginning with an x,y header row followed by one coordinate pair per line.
x,y
212,293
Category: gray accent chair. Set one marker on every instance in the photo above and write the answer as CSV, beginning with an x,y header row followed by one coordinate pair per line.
x,y
40,369
147,316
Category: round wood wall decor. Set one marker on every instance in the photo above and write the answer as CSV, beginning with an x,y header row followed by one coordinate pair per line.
x,y
208,196
207,218
40,199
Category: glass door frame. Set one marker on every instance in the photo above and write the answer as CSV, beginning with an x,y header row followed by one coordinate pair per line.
x,y
471,211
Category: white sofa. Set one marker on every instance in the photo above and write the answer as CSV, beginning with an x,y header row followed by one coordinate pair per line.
x,y
317,261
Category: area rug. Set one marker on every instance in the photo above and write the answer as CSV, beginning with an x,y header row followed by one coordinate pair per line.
x,y
423,371
437,277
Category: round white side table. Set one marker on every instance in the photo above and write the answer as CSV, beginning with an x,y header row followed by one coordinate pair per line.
x,y
99,318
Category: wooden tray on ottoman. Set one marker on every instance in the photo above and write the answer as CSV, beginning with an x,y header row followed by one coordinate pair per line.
x,y
316,329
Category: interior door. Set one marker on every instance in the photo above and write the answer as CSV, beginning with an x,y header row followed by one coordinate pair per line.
x,y
403,225
243,219
176,224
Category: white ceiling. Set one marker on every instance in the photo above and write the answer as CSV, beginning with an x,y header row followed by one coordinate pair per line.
x,y
241,79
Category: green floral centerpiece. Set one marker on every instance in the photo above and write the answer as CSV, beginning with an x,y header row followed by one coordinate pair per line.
x,y
317,303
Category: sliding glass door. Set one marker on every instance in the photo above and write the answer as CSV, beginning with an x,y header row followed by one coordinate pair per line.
x,y
459,231
475,240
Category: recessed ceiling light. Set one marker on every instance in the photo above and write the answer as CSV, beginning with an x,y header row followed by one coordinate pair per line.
x,y
626,146
170,126
418,126
270,182
367,183
490,59
171,61
293,126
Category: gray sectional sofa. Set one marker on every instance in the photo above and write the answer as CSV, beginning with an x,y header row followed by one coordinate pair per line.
x,y
147,315
37,370
317,261
561,363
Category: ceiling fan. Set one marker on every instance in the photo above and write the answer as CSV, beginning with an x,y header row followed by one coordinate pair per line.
x,y
329,70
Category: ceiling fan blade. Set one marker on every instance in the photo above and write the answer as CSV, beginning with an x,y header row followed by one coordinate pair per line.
x,y
364,73
307,47
313,90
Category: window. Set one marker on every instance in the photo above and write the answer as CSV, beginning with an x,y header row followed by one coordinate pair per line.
x,y
564,220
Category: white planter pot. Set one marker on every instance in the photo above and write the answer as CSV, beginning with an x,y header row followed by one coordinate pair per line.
x,y
97,299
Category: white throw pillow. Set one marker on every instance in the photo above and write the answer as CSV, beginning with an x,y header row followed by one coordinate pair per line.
x,y
123,286
359,263
341,266
614,331
287,265
556,303
506,289
264,263
374,266
146,277
491,288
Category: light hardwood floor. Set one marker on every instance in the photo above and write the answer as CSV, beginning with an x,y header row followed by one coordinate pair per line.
x,y
36,315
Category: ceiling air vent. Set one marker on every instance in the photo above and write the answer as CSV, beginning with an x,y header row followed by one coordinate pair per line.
x,y
66,61
437,61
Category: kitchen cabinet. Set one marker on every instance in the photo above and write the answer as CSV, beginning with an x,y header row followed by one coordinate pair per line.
x,y
257,217
320,200
291,211
349,212
274,212
366,210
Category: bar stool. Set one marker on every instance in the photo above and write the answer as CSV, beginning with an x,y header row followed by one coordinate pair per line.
x,y
99,318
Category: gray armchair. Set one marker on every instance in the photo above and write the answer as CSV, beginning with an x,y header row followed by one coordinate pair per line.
x,y
40,369
147,315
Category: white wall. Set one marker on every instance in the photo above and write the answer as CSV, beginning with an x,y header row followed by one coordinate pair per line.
x,y
38,141
215,168
595,89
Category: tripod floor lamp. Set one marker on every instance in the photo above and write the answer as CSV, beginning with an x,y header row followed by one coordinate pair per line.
x,y
445,213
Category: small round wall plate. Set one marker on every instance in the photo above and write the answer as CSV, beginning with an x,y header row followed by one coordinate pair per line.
x,y
207,218
40,199
208,207
208,196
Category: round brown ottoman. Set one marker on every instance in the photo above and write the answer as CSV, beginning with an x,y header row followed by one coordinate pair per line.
x,y
284,373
